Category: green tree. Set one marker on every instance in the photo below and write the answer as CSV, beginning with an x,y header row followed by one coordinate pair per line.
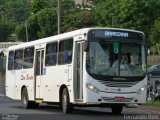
x,y
43,21
132,14
16,10
38,5
103,12
12,12
21,32
33,28
77,19
6,29
155,32
46,19
138,14
42,24
2,6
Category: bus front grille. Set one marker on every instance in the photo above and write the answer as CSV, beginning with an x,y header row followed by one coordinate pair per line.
x,y
118,84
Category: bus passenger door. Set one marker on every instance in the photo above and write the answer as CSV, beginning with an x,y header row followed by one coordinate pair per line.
x,y
78,71
39,73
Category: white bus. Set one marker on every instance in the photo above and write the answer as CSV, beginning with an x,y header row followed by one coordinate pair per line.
x,y
86,67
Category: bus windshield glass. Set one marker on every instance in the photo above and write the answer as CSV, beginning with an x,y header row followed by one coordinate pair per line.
x,y
108,58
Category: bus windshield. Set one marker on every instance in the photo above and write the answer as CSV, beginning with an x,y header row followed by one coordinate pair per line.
x,y
106,58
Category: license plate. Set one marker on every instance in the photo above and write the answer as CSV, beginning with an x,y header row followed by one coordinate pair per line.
x,y
119,99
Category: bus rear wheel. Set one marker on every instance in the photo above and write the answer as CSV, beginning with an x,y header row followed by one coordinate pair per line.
x,y
65,102
117,109
24,99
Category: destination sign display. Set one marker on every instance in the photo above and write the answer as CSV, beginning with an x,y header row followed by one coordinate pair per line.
x,y
114,34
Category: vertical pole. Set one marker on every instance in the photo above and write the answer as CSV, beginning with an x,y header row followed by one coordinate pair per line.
x,y
112,21
59,17
26,30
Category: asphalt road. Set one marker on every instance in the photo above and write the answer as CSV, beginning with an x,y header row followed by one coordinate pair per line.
x,y
12,110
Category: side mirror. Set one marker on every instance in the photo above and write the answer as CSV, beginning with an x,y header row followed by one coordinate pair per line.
x,y
86,46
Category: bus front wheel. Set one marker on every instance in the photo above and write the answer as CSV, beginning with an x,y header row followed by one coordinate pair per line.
x,y
65,102
117,109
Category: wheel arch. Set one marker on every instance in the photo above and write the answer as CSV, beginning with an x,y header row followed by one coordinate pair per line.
x,y
23,88
61,90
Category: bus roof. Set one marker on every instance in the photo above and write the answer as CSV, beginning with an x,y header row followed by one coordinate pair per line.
x,y
62,36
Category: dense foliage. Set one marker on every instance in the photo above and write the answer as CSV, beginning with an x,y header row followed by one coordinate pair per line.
x,y
12,12
5,30
40,17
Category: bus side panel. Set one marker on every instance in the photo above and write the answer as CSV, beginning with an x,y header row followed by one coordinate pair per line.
x,y
16,79
49,82
66,78
55,77
26,78
10,84
10,81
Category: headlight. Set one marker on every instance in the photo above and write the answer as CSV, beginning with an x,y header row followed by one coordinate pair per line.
x,y
141,90
93,88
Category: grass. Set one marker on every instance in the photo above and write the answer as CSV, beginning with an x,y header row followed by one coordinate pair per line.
x,y
155,103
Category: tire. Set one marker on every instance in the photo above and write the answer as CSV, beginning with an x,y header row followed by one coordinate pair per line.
x,y
117,109
150,98
26,104
65,102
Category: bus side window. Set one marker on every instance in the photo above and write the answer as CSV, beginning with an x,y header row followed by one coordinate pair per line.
x,y
65,51
28,57
18,59
51,54
11,60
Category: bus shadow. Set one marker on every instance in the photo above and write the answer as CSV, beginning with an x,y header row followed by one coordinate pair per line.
x,y
94,111
51,109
